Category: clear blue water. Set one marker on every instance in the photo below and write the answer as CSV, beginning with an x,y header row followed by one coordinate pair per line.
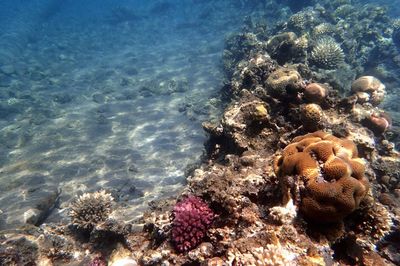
x,y
105,94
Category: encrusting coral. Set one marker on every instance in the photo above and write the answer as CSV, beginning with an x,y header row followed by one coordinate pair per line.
x,y
90,209
329,175
192,219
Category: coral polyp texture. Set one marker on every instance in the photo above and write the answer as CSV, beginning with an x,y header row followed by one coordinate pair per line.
x,y
368,89
192,219
329,173
90,209
327,54
311,116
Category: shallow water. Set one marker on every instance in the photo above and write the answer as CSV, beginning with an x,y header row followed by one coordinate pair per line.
x,y
105,96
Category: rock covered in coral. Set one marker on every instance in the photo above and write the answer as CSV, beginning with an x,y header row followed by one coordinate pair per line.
x,y
271,254
368,89
373,223
330,176
192,219
90,209
327,54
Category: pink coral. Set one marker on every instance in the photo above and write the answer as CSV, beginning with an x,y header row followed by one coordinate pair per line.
x,y
192,219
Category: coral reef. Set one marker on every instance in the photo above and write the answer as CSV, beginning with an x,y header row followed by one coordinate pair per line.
x,y
90,209
191,220
330,176
312,136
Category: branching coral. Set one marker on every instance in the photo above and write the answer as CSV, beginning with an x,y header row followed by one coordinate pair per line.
x,y
192,219
327,54
90,209
329,175
323,29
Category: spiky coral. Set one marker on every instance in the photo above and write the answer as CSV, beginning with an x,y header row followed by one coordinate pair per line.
x,y
327,54
90,208
192,219
330,175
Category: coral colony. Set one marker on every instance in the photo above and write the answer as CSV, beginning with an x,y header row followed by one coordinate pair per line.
x,y
192,219
331,175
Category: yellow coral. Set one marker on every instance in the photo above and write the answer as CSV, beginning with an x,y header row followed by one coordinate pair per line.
x,y
330,175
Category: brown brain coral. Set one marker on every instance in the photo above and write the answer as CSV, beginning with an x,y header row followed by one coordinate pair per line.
x,y
330,175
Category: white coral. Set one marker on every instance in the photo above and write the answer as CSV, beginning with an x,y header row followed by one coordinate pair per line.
x,y
283,215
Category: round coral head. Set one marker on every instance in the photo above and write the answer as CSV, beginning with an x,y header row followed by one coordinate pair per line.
x,y
192,219
315,92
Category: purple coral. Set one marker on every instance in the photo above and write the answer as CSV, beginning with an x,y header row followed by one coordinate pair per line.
x,y
192,219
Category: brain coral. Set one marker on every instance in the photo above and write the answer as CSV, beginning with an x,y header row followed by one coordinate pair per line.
x,y
327,54
330,175
192,219
282,79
